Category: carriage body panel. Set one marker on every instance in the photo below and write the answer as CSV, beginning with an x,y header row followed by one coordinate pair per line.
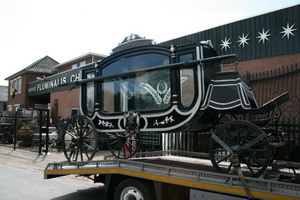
x,y
170,88
228,91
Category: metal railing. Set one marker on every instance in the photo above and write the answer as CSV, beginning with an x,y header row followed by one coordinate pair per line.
x,y
26,129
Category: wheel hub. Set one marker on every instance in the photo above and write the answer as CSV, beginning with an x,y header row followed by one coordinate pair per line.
x,y
132,194
237,148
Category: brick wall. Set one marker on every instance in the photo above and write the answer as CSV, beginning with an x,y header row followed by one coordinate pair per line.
x,y
267,84
66,101
264,64
270,84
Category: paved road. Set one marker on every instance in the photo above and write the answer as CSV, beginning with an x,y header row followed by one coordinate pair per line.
x,y
22,177
18,183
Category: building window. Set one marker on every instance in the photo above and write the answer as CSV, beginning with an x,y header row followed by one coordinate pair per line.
x,y
74,66
74,111
16,86
17,106
9,108
82,63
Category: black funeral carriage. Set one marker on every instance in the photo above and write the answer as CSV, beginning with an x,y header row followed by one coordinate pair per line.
x,y
142,87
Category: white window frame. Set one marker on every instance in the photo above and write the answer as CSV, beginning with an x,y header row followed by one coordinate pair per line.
x,y
9,107
17,106
17,84
74,66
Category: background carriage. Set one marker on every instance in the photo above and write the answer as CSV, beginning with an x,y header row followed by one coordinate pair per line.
x,y
143,88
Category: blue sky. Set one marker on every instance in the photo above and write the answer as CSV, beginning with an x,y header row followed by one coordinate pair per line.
x,y
64,29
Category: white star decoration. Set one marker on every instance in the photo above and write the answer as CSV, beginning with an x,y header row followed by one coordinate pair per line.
x,y
288,31
225,44
263,36
243,40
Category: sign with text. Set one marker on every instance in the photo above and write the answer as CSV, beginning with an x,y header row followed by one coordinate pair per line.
x,y
55,83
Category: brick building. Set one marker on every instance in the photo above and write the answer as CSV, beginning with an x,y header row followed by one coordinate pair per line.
x,y
17,96
63,96
65,103
41,83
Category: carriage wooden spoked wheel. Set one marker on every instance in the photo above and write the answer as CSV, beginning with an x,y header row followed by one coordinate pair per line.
x,y
126,144
242,142
123,145
80,139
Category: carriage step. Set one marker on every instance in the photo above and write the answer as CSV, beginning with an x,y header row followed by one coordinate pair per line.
x,y
277,144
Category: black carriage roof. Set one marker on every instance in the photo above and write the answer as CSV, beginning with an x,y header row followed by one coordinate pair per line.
x,y
134,43
134,40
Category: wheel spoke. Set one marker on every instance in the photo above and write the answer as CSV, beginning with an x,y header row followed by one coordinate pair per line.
x,y
114,142
84,144
223,159
130,147
250,168
76,128
71,153
229,168
86,154
131,144
76,154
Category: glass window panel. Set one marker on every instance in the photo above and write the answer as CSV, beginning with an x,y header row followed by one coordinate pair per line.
x,y
19,85
90,94
150,91
135,62
187,82
108,100
186,57
74,66
187,87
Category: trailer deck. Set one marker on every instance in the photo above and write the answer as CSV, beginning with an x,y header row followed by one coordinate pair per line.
x,y
175,168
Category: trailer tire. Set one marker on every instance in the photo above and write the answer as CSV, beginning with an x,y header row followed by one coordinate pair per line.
x,y
135,190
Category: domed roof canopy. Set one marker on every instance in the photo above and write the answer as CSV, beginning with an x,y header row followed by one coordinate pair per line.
x,y
131,41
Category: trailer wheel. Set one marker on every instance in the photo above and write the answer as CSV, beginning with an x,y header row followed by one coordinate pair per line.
x,y
134,190
79,139
240,142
